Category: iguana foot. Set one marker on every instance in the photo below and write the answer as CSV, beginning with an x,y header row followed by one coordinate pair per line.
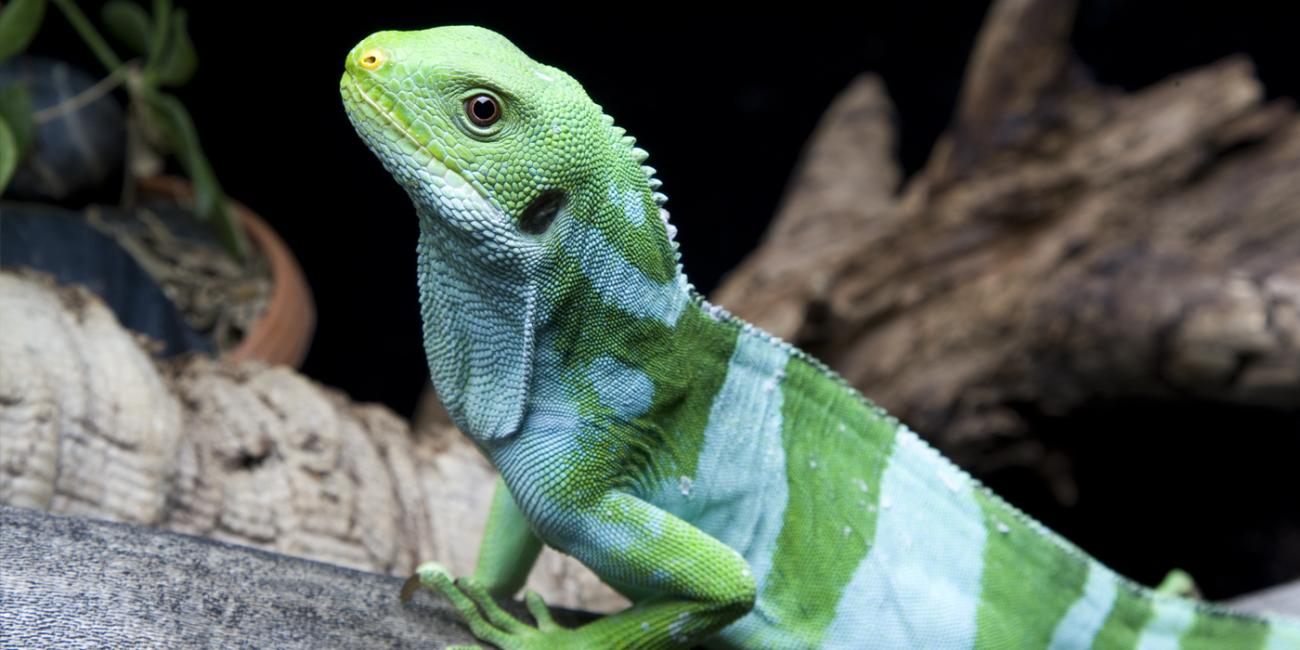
x,y
486,619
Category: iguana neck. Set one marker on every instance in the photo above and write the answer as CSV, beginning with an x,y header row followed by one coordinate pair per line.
x,y
612,291
605,304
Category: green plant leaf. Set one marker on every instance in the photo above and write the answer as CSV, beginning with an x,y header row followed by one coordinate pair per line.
x,y
8,155
162,18
128,23
209,202
183,139
177,62
19,21
16,111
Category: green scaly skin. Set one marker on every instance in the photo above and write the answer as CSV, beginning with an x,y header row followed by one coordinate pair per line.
x,y
735,489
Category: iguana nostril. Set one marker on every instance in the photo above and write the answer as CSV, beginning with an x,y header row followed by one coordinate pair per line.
x,y
372,59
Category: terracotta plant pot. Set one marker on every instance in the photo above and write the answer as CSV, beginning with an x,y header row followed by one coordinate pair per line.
x,y
283,333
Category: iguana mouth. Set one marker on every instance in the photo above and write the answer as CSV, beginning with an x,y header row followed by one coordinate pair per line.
x,y
439,171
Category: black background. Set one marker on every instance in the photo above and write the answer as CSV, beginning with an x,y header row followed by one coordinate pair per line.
x,y
723,101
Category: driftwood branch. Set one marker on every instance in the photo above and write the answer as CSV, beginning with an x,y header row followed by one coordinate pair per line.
x,y
1065,244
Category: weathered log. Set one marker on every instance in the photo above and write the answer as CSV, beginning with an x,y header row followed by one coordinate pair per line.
x,y
238,452
1066,243
74,582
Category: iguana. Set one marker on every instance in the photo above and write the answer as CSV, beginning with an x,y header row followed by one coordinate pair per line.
x,y
738,491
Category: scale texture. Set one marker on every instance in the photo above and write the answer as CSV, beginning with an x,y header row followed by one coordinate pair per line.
x,y
738,491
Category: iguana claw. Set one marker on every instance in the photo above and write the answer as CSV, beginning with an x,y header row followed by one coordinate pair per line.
x,y
486,619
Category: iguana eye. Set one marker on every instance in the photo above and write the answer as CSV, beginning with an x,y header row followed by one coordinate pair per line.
x,y
482,110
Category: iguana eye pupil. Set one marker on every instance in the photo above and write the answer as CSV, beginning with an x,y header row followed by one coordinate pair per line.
x,y
482,110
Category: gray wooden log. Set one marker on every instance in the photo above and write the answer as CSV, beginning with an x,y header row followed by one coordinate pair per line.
x,y
73,582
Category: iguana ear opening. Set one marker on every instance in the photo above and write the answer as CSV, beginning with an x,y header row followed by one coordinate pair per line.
x,y
538,216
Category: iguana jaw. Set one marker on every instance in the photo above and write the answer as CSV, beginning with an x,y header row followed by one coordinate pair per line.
x,y
416,163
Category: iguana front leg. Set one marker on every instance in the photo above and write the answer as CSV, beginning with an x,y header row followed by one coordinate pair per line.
x,y
699,584
509,547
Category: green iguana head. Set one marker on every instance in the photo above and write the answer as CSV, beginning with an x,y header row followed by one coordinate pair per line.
x,y
462,104
527,194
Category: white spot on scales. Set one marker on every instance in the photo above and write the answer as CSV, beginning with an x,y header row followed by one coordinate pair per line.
x,y
633,206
